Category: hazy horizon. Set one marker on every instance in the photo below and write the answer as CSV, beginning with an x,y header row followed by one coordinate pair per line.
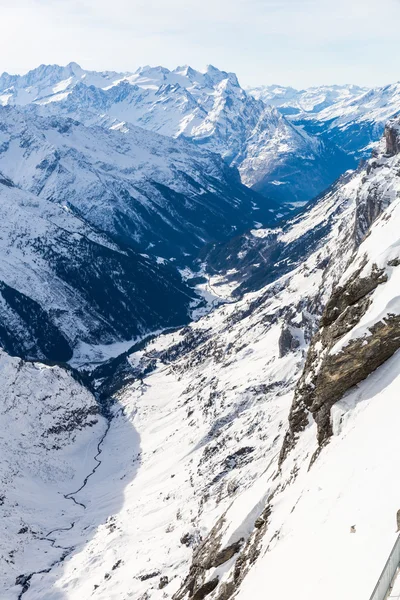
x,y
298,43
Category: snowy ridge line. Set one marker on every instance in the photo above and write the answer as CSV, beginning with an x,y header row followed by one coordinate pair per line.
x,y
388,576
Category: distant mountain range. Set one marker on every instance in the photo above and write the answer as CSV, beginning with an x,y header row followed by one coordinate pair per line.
x,y
351,117
276,157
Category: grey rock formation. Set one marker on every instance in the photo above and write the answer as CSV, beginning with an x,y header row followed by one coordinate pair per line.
x,y
287,341
328,376
392,136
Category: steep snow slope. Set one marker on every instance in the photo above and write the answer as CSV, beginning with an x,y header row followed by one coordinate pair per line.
x,y
62,282
349,387
250,261
146,190
207,489
210,108
50,428
351,483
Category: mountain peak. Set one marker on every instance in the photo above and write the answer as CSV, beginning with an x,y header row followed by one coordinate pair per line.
x,y
216,75
73,66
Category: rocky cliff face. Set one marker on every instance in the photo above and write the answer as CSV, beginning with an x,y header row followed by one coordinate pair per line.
x,y
359,328
392,137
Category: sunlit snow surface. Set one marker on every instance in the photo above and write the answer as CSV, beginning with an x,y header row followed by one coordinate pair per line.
x,y
352,483
200,436
209,108
172,463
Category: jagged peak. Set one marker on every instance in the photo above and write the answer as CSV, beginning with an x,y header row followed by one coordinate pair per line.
x,y
186,71
217,75
150,69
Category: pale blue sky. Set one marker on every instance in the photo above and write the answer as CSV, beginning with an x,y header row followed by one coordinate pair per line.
x,y
291,42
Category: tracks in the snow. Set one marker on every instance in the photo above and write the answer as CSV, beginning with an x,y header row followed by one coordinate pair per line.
x,y
25,580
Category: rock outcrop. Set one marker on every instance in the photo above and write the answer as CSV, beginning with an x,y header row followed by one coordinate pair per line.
x,y
200,581
392,136
328,375
343,353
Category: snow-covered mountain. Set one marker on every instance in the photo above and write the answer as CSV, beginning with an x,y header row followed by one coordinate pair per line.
x,y
63,283
314,99
90,219
50,81
145,190
349,117
355,124
208,108
231,455
51,425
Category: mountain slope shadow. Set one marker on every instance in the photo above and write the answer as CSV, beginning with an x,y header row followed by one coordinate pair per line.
x,y
99,498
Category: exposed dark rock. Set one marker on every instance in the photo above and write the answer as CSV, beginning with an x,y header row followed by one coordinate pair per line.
x,y
205,589
226,553
21,579
394,263
23,530
287,341
24,582
327,377
392,136
226,590
356,289
237,458
342,371
189,539
163,582
209,555
147,576
247,557
75,419
203,558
